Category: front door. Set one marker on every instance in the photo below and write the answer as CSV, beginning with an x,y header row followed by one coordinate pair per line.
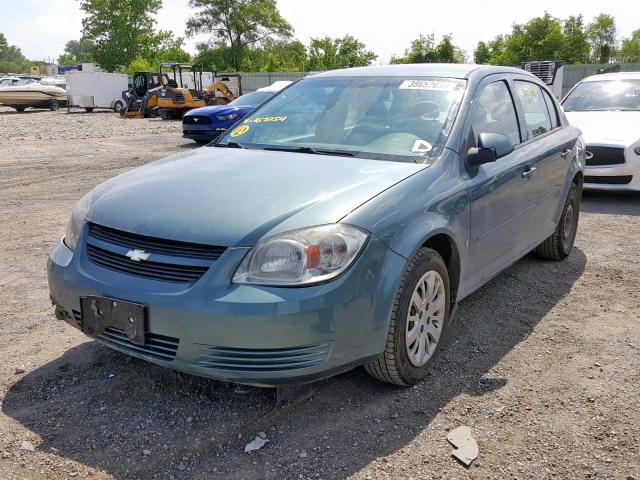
x,y
502,203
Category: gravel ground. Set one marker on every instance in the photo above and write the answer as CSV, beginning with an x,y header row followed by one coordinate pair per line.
x,y
541,363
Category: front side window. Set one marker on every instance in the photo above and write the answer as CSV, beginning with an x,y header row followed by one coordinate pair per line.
x,y
536,114
387,118
623,94
493,112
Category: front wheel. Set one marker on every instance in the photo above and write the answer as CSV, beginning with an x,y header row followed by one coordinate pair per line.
x,y
418,321
118,107
558,246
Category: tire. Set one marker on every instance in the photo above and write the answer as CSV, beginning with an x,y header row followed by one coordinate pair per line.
x,y
88,109
54,105
20,108
558,246
396,364
118,107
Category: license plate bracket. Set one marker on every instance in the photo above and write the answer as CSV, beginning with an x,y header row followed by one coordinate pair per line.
x,y
98,313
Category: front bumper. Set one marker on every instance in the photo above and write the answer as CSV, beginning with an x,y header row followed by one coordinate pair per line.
x,y
202,133
619,177
247,334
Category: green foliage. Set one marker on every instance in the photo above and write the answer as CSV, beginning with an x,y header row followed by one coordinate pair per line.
x,y
140,64
630,51
549,38
76,52
482,53
120,30
330,53
276,56
576,45
237,26
11,57
425,50
602,37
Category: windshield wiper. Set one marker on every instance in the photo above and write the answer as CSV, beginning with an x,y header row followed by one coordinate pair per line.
x,y
317,151
229,145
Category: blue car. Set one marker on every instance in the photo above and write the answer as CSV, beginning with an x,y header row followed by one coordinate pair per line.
x,y
339,224
208,123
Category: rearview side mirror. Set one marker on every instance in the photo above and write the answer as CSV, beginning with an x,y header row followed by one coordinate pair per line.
x,y
491,146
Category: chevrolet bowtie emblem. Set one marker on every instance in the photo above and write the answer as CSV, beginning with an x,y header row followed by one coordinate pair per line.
x,y
137,255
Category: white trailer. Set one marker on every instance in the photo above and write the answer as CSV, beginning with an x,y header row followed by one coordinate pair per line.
x,y
89,89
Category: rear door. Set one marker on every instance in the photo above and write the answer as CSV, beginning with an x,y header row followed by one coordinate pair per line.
x,y
548,149
501,206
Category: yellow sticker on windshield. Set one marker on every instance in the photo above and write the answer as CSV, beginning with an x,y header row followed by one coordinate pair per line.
x,y
239,131
265,119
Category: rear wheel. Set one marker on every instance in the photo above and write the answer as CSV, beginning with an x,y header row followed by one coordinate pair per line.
x,y
118,107
558,246
54,105
20,108
418,321
88,109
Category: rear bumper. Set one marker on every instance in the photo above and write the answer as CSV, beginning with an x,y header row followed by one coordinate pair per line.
x,y
240,333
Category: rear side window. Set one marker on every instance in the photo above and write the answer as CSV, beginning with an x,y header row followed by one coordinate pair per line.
x,y
553,112
493,112
536,116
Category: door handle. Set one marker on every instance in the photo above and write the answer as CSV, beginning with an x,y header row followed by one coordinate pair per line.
x,y
528,172
565,152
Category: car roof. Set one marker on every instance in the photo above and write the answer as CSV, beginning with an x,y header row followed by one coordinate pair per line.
x,y
451,70
613,76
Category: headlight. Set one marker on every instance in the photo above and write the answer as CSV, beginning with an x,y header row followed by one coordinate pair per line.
x,y
302,257
74,228
222,118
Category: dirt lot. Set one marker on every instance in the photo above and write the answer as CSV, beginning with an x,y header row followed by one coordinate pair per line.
x,y
542,363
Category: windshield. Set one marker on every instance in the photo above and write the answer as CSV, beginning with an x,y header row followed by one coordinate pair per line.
x,y
387,118
604,95
251,99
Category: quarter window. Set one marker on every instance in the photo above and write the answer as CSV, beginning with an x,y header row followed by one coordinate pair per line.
x,y
493,112
534,106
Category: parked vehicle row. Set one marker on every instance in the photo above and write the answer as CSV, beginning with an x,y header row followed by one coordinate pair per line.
x,y
337,224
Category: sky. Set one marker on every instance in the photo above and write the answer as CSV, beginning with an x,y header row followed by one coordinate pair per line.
x,y
42,27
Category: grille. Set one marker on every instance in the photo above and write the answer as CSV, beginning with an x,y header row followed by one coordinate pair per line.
x,y
263,360
153,270
610,180
196,120
178,97
605,155
545,71
178,262
156,346
155,245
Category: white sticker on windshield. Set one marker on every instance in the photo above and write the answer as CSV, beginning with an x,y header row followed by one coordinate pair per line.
x,y
438,85
421,146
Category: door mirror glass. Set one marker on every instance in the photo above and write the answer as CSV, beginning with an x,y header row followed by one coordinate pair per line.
x,y
491,146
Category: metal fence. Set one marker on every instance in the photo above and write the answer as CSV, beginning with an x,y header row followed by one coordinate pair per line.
x,y
572,74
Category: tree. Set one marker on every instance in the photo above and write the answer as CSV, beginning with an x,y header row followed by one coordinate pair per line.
x,y
277,56
576,46
330,53
425,50
77,51
630,51
602,37
120,30
237,25
482,53
11,57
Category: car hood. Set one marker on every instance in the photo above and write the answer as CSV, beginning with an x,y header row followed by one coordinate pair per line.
x,y
217,110
620,128
233,197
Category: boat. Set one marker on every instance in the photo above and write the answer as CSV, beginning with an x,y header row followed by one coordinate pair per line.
x,y
31,93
